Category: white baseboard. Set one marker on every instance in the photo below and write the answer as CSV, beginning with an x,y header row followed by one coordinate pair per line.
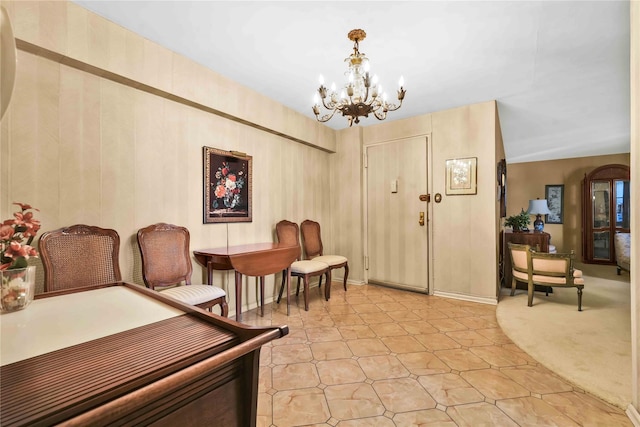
x,y
463,297
633,415
349,281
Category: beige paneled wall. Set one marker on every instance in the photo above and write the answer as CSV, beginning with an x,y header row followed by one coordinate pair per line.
x,y
464,234
527,181
88,40
463,231
634,408
414,126
87,149
500,155
346,201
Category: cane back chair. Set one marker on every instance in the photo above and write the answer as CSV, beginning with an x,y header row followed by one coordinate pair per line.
x,y
79,256
288,234
166,264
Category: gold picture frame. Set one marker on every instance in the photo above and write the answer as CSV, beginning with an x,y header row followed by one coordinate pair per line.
x,y
461,176
227,186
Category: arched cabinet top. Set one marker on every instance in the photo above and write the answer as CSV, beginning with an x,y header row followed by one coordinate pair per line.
x,y
609,172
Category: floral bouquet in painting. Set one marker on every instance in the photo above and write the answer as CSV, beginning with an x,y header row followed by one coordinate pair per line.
x,y
18,279
227,187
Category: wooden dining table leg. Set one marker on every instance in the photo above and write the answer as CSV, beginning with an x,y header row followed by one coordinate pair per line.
x,y
262,296
210,273
238,296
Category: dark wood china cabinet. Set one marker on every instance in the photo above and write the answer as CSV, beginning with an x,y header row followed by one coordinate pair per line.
x,y
606,209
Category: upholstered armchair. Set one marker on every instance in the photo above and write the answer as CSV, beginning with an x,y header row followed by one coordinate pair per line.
x,y
544,269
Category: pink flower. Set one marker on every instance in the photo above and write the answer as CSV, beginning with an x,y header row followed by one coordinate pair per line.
x,y
13,253
25,206
16,250
6,232
220,191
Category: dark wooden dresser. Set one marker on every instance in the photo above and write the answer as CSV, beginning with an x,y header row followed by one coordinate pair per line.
x,y
535,239
122,354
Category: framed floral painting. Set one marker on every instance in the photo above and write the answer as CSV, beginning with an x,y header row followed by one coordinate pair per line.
x,y
227,186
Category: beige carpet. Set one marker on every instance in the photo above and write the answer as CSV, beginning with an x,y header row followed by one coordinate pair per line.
x,y
592,348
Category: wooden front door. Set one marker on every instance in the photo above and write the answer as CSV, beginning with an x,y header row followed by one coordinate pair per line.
x,y
397,239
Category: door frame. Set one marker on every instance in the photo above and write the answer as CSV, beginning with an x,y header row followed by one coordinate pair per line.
x,y
428,209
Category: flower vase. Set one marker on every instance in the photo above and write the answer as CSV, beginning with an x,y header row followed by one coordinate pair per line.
x,y
18,288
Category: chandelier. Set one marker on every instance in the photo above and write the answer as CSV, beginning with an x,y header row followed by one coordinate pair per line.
x,y
361,96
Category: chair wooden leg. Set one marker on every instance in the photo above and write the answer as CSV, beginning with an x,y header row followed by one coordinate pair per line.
x,y
306,292
346,275
298,287
579,299
530,294
327,288
224,308
513,286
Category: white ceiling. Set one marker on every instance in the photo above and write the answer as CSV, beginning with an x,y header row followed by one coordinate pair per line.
x,y
559,70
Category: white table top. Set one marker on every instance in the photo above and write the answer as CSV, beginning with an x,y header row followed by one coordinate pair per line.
x,y
53,323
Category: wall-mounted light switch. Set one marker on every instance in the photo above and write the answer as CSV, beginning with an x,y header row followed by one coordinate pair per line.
x,y
394,186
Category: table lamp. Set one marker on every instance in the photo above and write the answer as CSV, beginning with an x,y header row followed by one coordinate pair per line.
x,y
538,208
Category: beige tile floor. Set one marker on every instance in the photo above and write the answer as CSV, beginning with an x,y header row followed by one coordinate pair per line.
x,y
375,356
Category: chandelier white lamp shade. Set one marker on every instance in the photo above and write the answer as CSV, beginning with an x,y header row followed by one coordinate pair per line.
x,y
538,208
362,94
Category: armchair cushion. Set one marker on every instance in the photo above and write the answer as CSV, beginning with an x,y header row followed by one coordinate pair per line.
x,y
577,278
520,275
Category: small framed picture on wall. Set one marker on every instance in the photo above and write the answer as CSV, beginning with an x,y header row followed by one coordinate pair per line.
x,y
555,200
461,176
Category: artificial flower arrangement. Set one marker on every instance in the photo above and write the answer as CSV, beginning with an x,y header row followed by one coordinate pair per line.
x,y
17,279
228,187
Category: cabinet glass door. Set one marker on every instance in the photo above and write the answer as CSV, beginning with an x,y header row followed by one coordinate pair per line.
x,y
606,210
601,191
623,207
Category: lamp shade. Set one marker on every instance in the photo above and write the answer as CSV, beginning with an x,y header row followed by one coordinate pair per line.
x,y
538,207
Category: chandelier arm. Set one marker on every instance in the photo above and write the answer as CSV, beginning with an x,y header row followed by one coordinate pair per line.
x,y
380,115
329,106
326,117
394,107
